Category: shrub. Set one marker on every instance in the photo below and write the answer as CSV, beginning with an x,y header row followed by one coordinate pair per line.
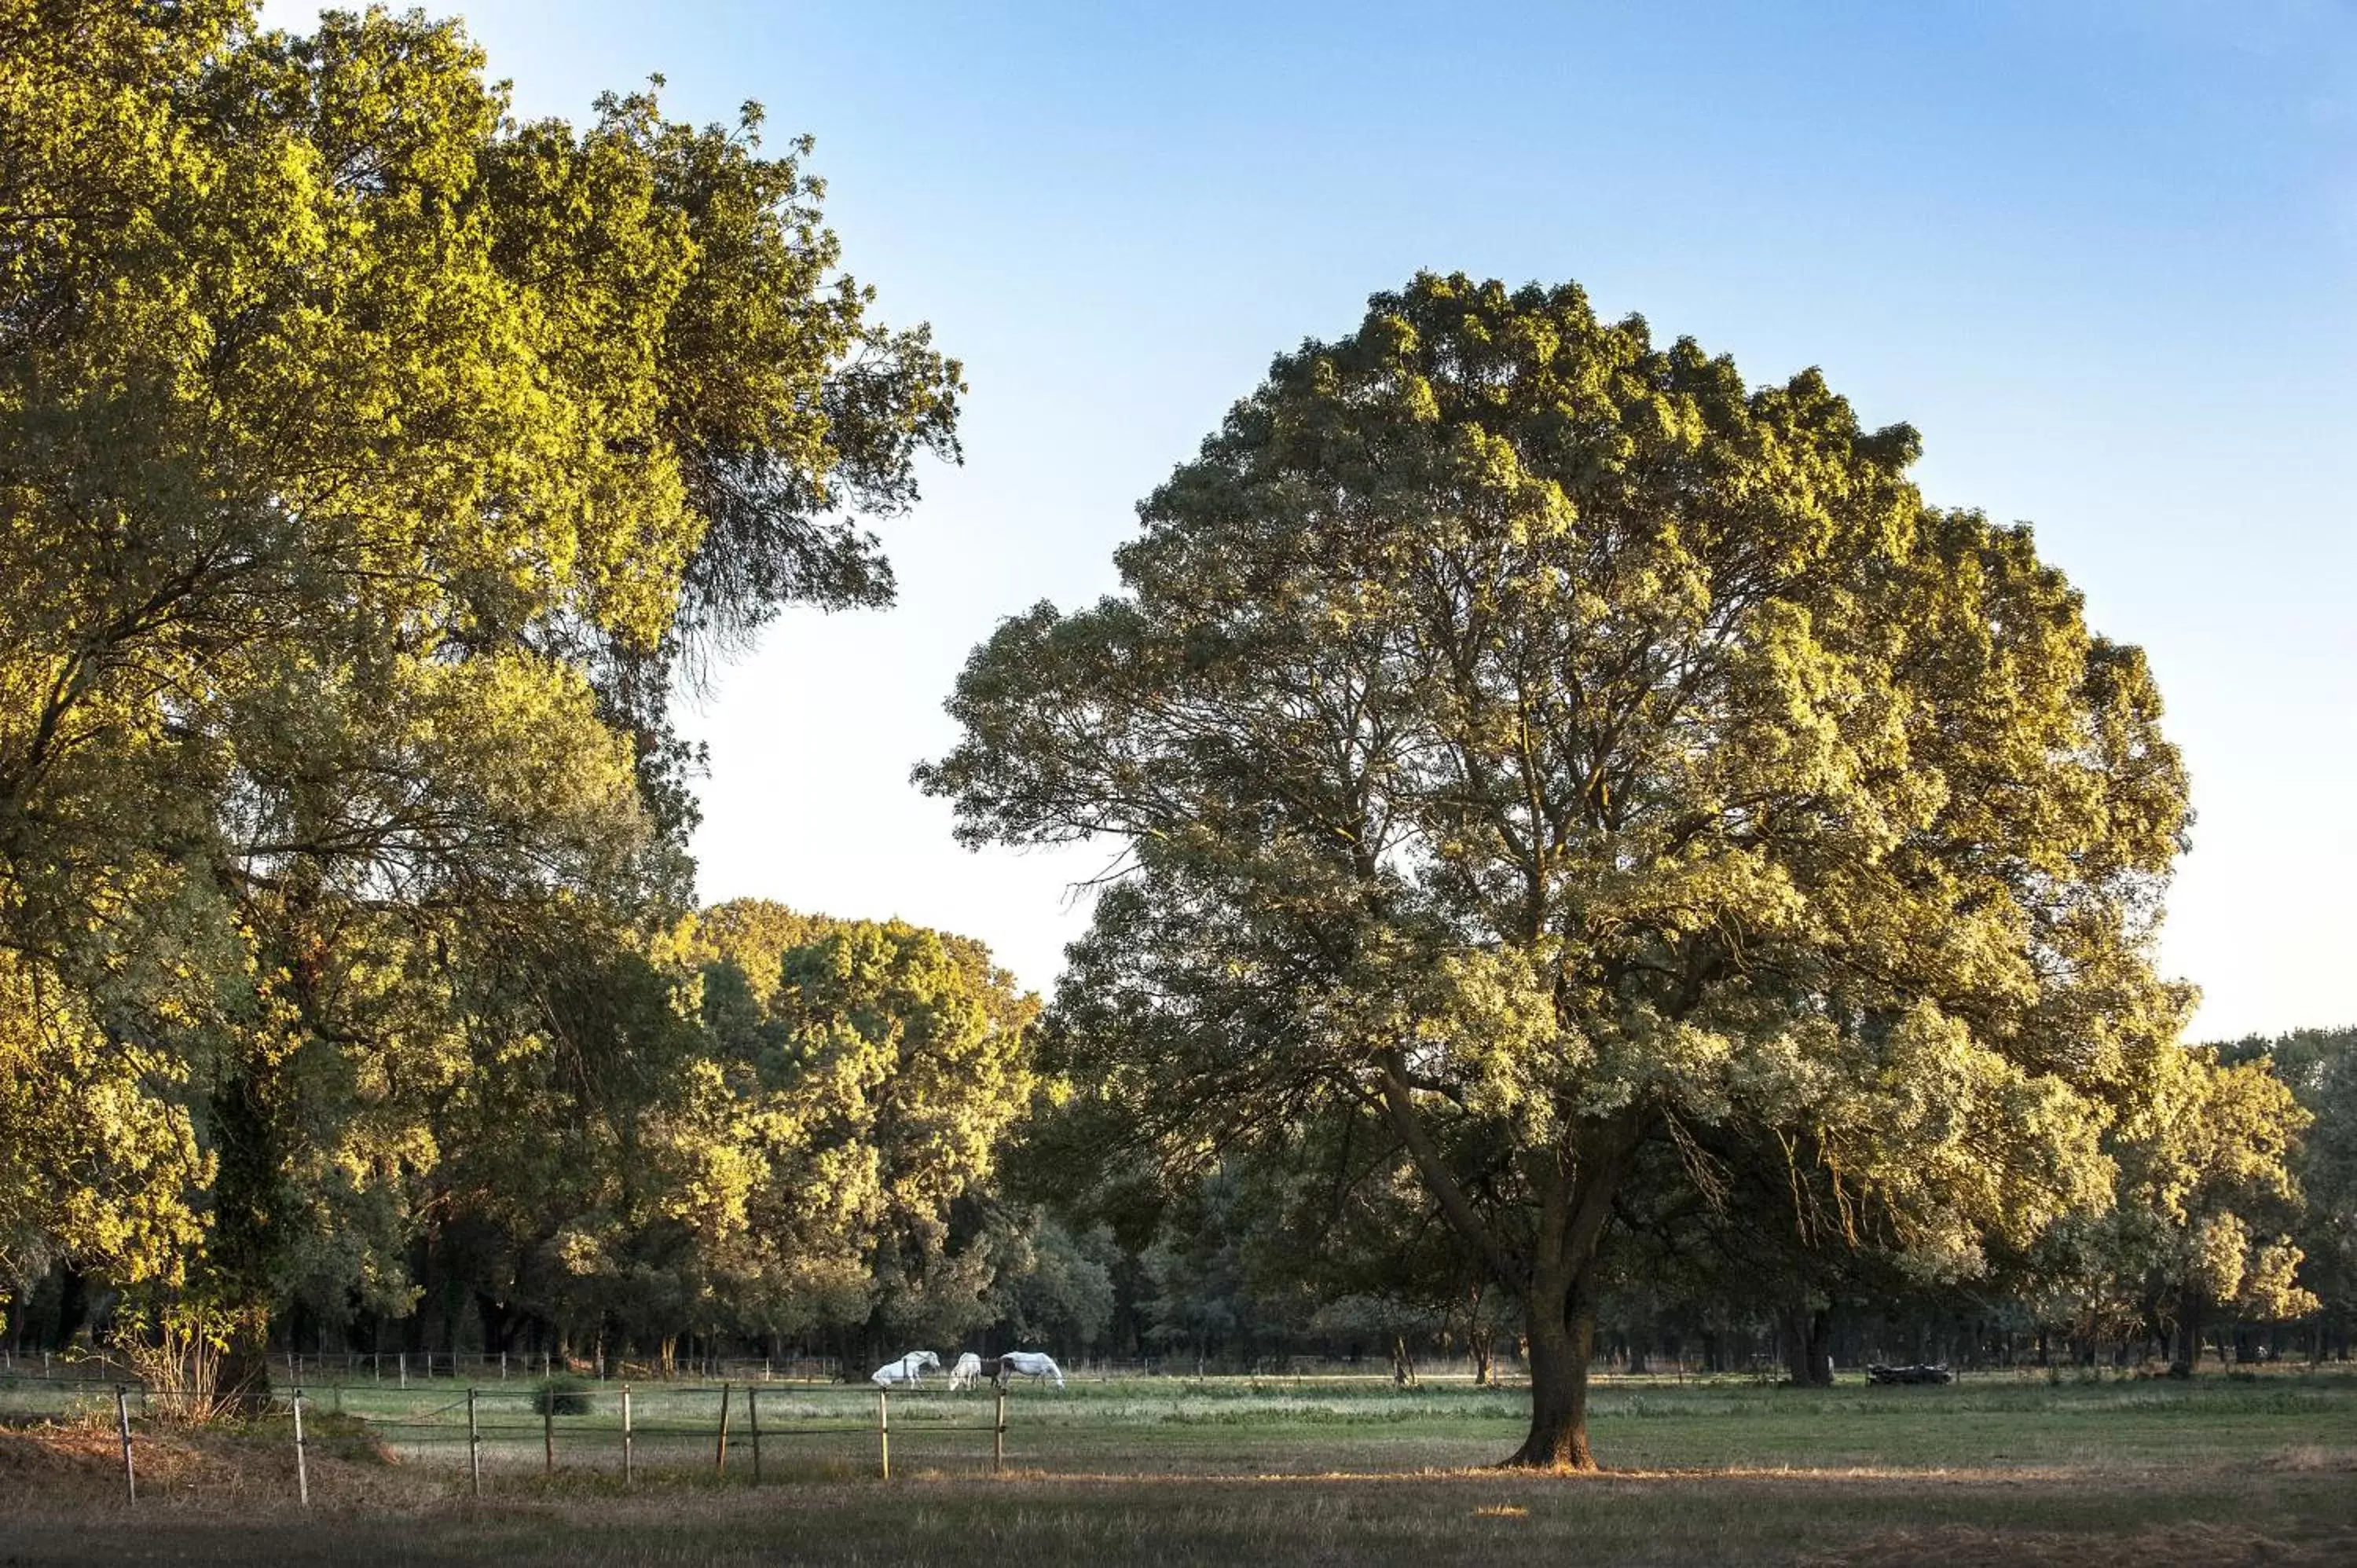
x,y
562,1395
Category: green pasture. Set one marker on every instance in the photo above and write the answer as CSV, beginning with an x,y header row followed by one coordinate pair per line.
x,y
1995,1469
1310,1425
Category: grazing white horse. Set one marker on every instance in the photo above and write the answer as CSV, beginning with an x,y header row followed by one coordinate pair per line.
x,y
1029,1364
892,1374
963,1375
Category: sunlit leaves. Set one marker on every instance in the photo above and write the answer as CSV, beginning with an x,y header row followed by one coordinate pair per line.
x,y
369,463
1543,735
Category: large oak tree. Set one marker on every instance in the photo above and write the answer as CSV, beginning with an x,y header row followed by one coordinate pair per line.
x,y
1534,733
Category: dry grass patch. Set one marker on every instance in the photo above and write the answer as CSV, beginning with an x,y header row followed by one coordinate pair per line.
x,y
2194,1545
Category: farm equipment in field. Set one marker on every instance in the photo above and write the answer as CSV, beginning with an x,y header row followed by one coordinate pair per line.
x,y
1910,1375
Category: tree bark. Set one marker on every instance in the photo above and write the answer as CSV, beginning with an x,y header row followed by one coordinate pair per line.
x,y
1560,1288
2188,1335
241,1384
1811,1359
1403,1363
1562,1338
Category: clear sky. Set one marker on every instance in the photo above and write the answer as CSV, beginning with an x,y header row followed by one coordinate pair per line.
x,y
2102,254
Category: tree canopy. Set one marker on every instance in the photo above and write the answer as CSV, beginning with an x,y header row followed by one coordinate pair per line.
x,y
370,465
1539,734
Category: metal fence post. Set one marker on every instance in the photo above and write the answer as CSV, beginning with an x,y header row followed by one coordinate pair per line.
x,y
753,1414
123,1424
883,1434
474,1447
301,1471
548,1426
626,1435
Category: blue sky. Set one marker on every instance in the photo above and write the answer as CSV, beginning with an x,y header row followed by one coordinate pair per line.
x,y
2102,254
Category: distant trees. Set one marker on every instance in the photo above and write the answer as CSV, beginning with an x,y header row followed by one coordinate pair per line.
x,y
763,1130
1536,736
2319,1067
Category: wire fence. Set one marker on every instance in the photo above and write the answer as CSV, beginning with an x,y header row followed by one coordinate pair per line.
x,y
401,1368
754,1432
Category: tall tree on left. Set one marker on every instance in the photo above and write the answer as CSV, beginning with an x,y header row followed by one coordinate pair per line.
x,y
370,465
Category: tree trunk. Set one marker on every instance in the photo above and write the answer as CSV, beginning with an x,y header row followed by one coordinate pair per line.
x,y
1562,1338
241,1384
1557,1278
73,1304
1403,1363
2188,1335
1811,1359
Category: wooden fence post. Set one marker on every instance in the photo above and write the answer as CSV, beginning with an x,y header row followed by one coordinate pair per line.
x,y
401,1364
548,1426
999,1436
626,1435
883,1434
123,1424
753,1414
720,1449
474,1447
301,1471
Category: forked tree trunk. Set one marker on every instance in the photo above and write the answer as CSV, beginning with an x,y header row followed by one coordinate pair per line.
x,y
1403,1363
1557,1278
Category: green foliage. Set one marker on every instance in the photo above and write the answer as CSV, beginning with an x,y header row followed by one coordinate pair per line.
x,y
757,1122
370,464
2319,1067
1539,735
563,1395
1052,1284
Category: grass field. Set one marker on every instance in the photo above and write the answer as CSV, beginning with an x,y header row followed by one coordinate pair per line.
x,y
2147,1473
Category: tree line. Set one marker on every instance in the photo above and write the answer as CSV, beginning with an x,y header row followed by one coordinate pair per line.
x,y
1606,866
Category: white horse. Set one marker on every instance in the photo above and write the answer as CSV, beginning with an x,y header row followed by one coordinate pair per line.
x,y
968,1368
907,1369
1029,1364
